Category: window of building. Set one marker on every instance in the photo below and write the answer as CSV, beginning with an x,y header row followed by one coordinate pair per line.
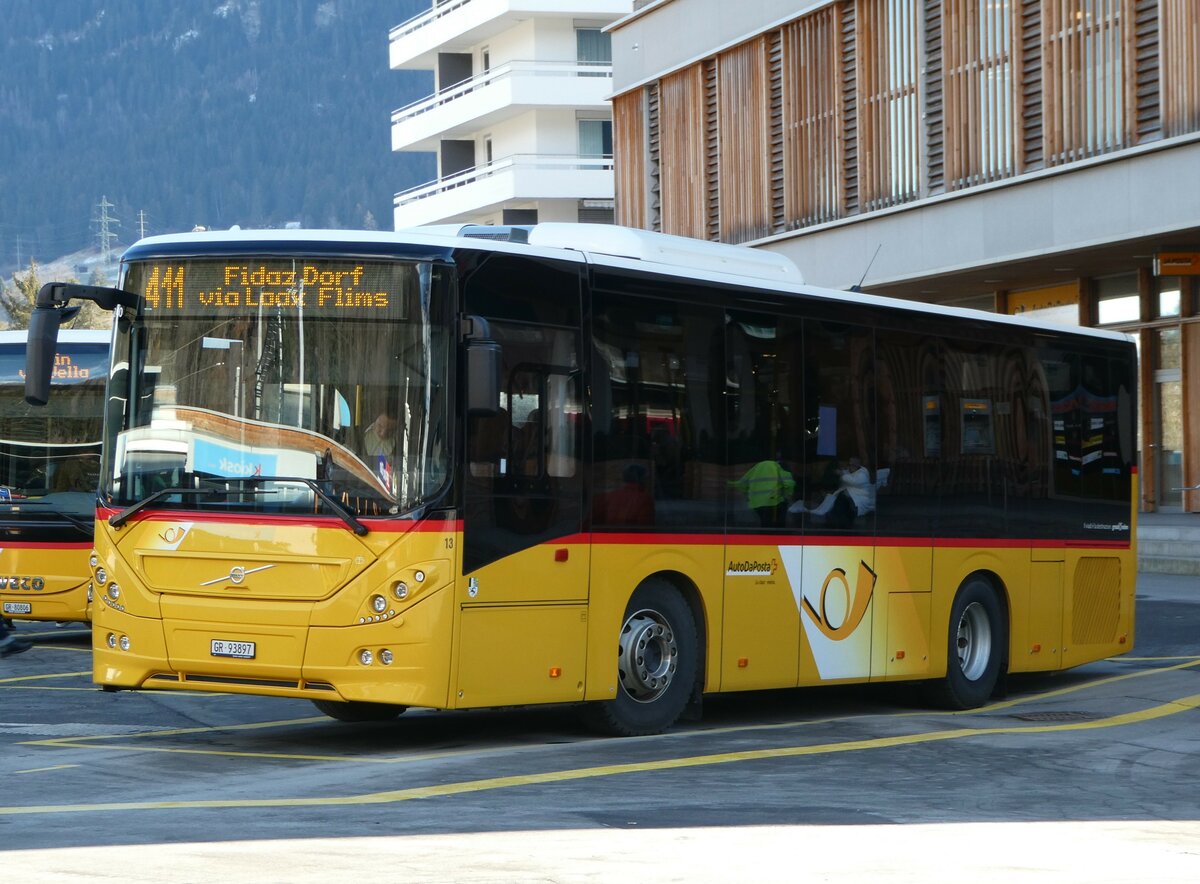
x,y
1117,299
812,101
1083,63
978,97
1180,64
595,138
1170,301
888,106
593,46
1167,352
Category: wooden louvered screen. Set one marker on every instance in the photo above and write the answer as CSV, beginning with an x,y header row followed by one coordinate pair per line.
x,y
1031,153
742,118
812,114
850,179
653,160
935,136
629,136
682,173
1147,98
775,127
889,110
712,148
977,41
1083,64
1180,36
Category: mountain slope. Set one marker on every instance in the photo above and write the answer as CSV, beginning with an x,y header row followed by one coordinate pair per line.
x,y
210,112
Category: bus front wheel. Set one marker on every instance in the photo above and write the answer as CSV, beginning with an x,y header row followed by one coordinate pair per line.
x,y
357,710
977,637
656,664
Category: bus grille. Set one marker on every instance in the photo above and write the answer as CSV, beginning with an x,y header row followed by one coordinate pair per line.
x,y
1097,601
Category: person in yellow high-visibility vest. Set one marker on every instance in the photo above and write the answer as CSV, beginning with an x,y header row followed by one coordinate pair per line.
x,y
768,488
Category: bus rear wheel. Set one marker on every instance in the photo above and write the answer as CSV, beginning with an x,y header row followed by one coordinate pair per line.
x,y
358,710
656,664
977,637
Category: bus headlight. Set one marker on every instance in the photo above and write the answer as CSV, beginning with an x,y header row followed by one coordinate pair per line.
x,y
365,657
385,657
400,590
111,640
379,604
124,643
114,591
93,560
101,576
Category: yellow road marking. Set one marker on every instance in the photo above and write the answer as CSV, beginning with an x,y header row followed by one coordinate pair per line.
x,y
43,769
1182,704
44,676
92,742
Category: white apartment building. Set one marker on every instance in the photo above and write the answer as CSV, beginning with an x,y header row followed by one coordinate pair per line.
x,y
520,119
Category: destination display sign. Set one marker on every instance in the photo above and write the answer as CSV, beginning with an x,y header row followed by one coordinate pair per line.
x,y
205,286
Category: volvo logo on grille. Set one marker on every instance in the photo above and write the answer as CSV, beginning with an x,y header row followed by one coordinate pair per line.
x,y
236,575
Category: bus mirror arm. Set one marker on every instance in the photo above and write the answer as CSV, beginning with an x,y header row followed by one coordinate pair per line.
x,y
52,308
483,368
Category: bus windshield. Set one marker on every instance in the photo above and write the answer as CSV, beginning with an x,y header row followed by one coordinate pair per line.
x,y
281,385
50,456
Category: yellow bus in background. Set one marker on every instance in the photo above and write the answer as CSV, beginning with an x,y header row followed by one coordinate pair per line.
x,y
49,472
581,464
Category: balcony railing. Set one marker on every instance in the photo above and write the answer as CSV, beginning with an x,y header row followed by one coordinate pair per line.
x,y
517,163
560,70
423,19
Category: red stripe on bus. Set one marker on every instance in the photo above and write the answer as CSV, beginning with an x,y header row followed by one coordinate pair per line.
x,y
34,544
398,526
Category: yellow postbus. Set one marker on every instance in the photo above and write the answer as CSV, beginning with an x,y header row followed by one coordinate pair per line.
x,y
49,471
584,464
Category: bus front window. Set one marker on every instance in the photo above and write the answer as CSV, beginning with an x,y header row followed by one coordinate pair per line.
x,y
247,372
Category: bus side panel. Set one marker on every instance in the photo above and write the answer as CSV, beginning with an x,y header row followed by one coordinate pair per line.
x,y
1037,634
761,627
617,570
516,654
902,634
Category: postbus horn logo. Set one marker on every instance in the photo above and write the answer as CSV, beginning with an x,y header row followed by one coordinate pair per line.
x,y
856,602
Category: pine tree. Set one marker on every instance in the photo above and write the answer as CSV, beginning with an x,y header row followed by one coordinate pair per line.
x,y
18,301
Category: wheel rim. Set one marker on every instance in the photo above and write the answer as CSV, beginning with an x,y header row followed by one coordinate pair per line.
x,y
974,641
648,656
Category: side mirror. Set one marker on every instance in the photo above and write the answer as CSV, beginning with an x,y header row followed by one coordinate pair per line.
x,y
483,369
39,352
52,307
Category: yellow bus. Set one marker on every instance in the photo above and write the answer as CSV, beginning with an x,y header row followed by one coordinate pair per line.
x,y
581,464
49,471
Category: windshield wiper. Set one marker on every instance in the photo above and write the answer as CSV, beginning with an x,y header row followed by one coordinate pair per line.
x,y
218,488
342,513
124,515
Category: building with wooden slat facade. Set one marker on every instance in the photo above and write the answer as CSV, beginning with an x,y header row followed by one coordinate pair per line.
x,y
1017,156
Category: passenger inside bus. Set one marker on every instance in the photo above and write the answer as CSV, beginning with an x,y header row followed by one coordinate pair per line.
x,y
630,504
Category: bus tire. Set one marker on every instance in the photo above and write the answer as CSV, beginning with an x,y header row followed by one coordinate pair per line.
x,y
657,660
356,711
977,638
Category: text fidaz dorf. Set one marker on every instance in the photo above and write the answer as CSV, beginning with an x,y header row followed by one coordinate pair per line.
x,y
249,286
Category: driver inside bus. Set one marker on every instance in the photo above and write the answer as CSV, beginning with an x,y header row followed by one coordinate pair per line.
x,y
379,439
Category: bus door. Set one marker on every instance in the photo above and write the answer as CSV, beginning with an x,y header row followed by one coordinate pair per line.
x,y
523,590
